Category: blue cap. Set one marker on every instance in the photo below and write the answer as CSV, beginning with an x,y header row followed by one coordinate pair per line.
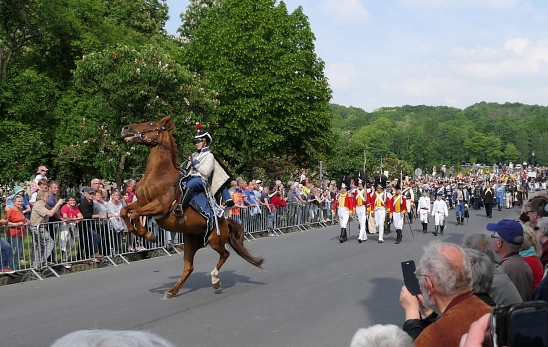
x,y
17,189
509,230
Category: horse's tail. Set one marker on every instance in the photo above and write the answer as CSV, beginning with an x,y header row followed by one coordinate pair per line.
x,y
236,241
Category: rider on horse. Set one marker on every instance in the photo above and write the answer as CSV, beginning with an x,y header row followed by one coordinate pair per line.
x,y
200,172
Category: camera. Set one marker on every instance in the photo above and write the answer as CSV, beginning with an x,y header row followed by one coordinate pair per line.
x,y
520,325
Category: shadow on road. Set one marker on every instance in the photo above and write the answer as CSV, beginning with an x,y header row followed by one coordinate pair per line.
x,y
200,280
385,290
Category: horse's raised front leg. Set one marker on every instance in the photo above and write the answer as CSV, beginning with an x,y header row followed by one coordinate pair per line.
x,y
153,208
192,243
217,243
124,213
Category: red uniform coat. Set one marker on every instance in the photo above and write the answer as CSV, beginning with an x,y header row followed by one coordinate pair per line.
x,y
383,198
348,203
394,202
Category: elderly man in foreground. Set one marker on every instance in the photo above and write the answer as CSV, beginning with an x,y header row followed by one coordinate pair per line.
x,y
444,275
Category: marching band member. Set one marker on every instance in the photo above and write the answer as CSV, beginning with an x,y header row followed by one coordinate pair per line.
x,y
379,205
439,212
398,209
344,204
424,210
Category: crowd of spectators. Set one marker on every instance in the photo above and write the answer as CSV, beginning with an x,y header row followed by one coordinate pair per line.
x,y
51,220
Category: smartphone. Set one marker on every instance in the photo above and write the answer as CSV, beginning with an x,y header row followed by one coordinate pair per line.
x,y
520,325
410,278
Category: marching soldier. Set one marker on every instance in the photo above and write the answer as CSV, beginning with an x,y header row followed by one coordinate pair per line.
x,y
500,193
449,194
477,194
379,204
417,194
345,204
424,210
409,196
360,201
461,198
439,212
398,209
510,194
488,199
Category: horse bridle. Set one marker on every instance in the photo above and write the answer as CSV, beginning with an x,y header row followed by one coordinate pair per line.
x,y
143,135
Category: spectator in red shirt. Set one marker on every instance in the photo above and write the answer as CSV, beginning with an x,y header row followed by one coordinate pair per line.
x,y
71,215
16,231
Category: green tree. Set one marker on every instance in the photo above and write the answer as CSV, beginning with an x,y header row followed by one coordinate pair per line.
x,y
272,89
120,86
511,153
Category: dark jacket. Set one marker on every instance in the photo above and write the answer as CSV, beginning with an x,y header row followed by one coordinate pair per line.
x,y
86,208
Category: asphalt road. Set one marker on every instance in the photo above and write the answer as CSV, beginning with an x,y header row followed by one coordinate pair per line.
x,y
312,291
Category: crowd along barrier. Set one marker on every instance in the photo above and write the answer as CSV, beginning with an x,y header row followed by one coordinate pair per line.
x,y
54,245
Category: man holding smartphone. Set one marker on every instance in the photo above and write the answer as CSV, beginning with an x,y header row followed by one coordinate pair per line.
x,y
444,275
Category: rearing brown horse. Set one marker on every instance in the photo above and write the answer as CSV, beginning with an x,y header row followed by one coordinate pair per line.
x,y
155,196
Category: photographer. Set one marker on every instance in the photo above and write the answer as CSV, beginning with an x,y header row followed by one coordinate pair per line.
x,y
444,275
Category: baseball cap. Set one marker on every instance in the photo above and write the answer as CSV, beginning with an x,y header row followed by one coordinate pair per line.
x,y
258,181
509,230
89,190
42,168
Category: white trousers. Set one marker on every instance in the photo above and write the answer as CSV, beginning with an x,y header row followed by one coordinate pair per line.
x,y
362,219
380,215
509,200
343,216
424,216
439,217
398,220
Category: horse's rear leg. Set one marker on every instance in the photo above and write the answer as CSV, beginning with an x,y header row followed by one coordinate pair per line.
x,y
217,243
192,243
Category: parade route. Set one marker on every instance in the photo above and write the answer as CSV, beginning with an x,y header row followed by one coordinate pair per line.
x,y
312,291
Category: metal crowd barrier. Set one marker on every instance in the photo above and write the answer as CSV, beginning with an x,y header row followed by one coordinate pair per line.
x,y
53,245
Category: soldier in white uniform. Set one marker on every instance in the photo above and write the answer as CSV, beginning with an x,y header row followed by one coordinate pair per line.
x,y
360,201
200,169
439,212
424,210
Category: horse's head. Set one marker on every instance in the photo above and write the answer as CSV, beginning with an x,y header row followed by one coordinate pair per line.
x,y
146,133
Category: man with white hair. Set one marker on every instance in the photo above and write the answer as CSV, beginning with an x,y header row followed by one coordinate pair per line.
x,y
444,275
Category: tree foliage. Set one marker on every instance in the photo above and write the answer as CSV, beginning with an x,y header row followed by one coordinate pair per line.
x,y
272,89
121,86
424,136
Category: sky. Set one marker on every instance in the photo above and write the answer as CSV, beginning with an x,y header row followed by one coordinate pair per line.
x,y
426,52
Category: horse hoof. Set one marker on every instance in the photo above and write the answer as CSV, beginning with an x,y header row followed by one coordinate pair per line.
x,y
153,238
217,285
167,296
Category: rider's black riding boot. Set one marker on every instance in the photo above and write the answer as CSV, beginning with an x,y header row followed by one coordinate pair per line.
x,y
178,210
436,230
424,225
344,234
441,229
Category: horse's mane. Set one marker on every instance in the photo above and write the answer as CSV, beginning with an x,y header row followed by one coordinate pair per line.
x,y
168,122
